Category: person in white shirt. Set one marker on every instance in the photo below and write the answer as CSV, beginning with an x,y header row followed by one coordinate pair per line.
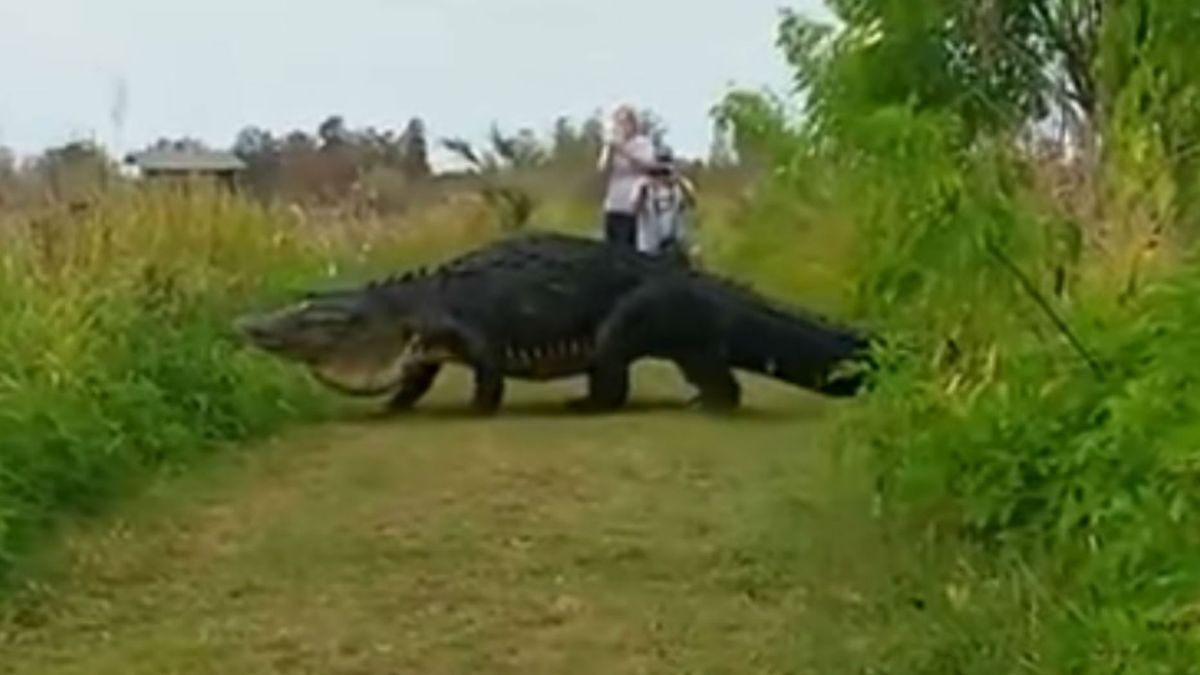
x,y
624,160
665,199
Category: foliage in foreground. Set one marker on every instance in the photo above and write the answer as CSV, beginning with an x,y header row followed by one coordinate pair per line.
x,y
1033,433
115,348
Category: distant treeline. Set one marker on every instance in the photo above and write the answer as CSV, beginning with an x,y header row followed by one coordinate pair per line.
x,y
337,163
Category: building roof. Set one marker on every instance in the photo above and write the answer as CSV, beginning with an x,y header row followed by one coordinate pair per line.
x,y
189,159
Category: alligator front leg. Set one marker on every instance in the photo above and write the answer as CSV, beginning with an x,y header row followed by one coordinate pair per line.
x,y
417,380
489,388
473,348
488,365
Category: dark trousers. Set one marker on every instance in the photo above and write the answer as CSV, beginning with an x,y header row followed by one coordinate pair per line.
x,y
620,229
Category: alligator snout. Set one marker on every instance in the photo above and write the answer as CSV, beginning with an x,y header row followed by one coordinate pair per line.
x,y
255,329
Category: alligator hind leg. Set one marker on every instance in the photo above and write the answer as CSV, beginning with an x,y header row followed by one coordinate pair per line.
x,y
719,390
417,380
489,390
656,319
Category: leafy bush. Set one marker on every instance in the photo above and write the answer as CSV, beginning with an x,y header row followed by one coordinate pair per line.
x,y
1032,432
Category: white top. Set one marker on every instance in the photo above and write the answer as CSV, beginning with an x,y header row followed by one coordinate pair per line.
x,y
624,178
662,217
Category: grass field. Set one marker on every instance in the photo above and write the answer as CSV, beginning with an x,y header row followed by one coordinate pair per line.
x,y
658,540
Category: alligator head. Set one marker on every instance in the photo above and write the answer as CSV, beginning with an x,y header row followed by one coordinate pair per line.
x,y
353,341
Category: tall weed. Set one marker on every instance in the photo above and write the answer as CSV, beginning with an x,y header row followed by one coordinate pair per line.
x,y
115,346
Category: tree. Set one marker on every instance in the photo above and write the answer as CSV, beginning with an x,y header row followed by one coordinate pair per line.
x,y
184,143
254,143
720,152
512,205
8,173
8,163
576,146
522,150
654,127
592,133
333,132
261,153
998,65
756,128
414,151
74,169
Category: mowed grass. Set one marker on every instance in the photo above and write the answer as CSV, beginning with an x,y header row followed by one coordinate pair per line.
x,y
658,540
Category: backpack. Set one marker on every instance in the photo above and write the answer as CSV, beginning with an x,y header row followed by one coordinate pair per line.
x,y
662,221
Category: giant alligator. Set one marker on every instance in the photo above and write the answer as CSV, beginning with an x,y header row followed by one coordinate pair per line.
x,y
544,306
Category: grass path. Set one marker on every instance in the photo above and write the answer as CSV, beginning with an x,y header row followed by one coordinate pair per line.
x,y
655,541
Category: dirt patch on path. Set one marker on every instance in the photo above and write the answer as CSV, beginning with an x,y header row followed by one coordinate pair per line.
x,y
655,541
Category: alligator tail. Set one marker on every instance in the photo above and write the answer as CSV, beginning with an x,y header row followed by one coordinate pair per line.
x,y
800,349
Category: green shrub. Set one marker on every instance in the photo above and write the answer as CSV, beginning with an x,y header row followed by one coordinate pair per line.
x,y
1031,435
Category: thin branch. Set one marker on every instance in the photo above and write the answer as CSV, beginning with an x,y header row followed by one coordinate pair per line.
x,y
1039,299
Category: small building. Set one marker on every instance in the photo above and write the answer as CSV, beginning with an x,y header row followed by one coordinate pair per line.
x,y
188,163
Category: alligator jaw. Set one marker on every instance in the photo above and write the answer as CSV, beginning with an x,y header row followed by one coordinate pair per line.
x,y
366,378
256,330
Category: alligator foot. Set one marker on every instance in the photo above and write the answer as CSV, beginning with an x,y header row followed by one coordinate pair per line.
x,y
487,399
399,405
719,391
484,409
390,410
417,380
588,404
489,392
608,389
716,404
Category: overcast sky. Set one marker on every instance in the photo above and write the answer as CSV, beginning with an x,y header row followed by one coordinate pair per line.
x,y
208,68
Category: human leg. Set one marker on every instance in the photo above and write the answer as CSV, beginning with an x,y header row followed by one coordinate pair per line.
x,y
620,229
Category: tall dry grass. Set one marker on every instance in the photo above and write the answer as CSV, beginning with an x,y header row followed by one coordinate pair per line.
x,y
116,353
